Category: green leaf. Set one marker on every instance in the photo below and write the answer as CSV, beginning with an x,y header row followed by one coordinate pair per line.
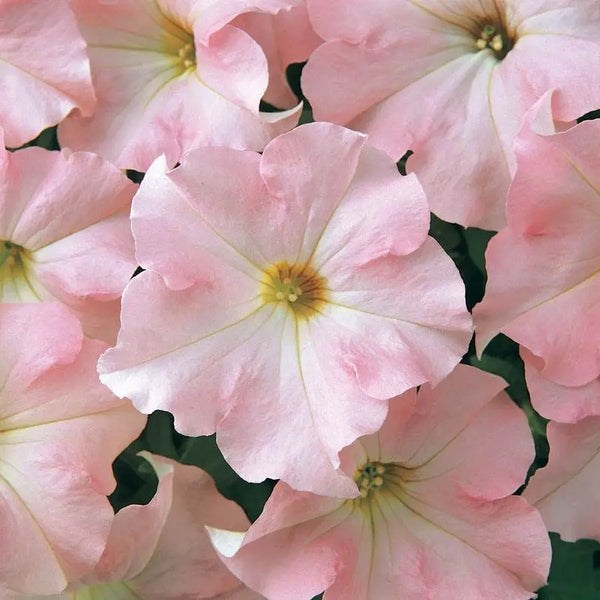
x,y
575,571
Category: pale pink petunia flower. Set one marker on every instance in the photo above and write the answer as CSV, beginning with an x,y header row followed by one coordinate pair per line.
x,y
44,68
60,431
567,490
161,550
171,75
286,37
566,404
65,234
451,80
287,296
433,517
543,287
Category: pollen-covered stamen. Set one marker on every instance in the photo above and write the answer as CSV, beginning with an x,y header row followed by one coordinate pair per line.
x,y
369,476
187,55
298,286
495,38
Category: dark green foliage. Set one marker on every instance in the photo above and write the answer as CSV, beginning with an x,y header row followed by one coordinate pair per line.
x,y
575,572
160,437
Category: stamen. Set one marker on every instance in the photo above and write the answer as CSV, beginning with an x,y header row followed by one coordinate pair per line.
x,y
298,286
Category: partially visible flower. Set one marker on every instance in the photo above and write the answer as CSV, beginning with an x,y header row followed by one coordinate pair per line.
x,y
451,80
171,75
286,297
567,490
566,404
161,550
286,37
60,431
65,234
433,516
44,68
543,287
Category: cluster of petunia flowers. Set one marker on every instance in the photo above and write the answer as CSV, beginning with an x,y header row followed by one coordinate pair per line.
x,y
290,299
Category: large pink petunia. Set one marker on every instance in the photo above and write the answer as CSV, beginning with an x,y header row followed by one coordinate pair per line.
x,y
543,286
44,68
60,430
161,550
171,75
65,234
451,80
566,404
433,519
286,298
567,490
286,37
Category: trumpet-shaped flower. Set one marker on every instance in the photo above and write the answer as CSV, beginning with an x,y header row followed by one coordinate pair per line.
x,y
567,490
451,80
60,430
432,517
286,37
287,296
171,75
65,235
44,68
543,286
161,550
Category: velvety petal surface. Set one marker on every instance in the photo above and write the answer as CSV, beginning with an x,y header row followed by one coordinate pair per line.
x,y
543,269
566,491
65,234
60,430
170,76
234,358
44,68
434,518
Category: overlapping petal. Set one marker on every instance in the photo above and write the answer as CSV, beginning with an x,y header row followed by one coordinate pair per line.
x,y
60,430
44,68
161,551
566,404
170,76
205,337
286,37
412,76
566,491
65,235
544,268
434,519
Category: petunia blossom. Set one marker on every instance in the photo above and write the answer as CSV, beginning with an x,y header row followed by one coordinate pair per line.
x,y
286,37
567,490
287,296
60,431
44,68
161,550
432,518
566,404
171,75
451,80
65,234
543,286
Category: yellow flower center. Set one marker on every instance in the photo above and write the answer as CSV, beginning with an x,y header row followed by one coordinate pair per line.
x,y
298,287
15,285
369,476
187,55
495,38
